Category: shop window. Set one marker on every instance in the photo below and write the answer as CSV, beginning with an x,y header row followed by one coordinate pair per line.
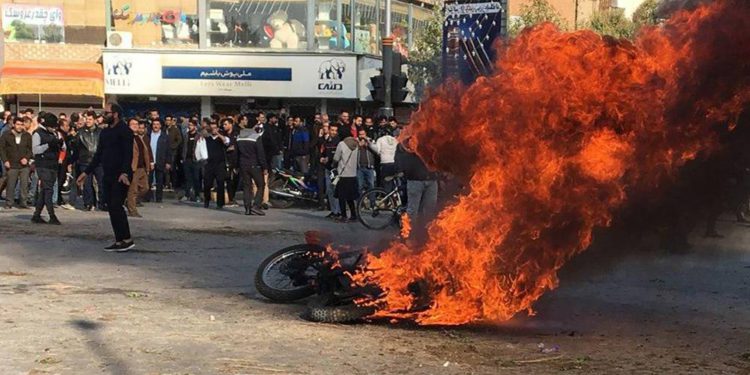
x,y
366,30
157,22
258,24
400,26
331,30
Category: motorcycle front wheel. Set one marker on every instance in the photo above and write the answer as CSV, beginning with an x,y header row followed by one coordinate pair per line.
x,y
278,184
284,276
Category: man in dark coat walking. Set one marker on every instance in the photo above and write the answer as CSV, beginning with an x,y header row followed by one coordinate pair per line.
x,y
115,155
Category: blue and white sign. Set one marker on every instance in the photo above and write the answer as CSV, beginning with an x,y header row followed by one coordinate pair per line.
x,y
227,73
211,74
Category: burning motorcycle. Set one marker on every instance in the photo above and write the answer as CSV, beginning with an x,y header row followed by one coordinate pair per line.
x,y
304,270
287,187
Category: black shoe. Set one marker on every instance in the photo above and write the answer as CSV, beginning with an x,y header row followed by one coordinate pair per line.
x,y
120,247
53,220
23,206
331,216
258,212
205,205
248,211
36,219
352,220
220,208
264,206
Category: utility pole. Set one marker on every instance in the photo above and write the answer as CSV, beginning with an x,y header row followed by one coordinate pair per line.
x,y
387,109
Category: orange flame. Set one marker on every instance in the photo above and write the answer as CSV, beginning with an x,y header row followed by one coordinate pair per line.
x,y
552,144
405,226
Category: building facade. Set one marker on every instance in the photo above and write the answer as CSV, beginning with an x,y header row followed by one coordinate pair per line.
x,y
207,55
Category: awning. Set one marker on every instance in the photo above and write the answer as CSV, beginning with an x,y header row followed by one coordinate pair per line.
x,y
50,77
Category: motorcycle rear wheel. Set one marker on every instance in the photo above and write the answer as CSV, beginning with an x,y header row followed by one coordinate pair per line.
x,y
266,271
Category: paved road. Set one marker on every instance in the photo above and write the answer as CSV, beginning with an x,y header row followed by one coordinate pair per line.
x,y
184,304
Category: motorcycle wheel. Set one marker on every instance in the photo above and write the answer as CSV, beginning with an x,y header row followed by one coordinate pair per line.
x,y
278,185
274,284
374,211
317,312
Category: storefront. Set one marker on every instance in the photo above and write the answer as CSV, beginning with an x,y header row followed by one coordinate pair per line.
x,y
183,82
50,55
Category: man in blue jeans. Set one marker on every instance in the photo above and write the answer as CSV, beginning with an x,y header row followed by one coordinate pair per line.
x,y
421,185
366,167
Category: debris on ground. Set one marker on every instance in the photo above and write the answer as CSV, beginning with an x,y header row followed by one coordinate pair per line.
x,y
547,349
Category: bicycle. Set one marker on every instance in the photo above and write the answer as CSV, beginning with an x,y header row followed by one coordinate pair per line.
x,y
378,208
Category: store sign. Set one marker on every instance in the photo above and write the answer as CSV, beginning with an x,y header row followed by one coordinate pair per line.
x,y
32,15
33,23
296,76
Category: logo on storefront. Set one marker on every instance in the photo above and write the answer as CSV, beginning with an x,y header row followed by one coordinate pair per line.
x,y
331,74
117,73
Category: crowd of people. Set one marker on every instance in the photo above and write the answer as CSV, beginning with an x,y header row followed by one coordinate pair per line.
x,y
206,160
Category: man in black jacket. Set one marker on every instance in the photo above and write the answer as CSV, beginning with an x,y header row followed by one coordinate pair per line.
x,y
233,175
115,155
191,166
216,169
161,147
87,142
15,152
46,144
421,184
252,162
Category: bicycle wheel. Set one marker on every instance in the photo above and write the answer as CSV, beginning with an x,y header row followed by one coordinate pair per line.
x,y
376,210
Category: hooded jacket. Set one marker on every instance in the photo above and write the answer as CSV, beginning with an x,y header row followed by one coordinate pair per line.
x,y
385,147
347,157
250,149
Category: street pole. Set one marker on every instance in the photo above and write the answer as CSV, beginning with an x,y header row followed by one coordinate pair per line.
x,y
387,109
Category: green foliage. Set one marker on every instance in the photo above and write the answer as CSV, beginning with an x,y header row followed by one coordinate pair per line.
x,y
534,13
646,15
611,22
53,34
425,60
21,31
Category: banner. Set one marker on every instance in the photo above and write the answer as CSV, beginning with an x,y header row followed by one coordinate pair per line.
x,y
243,75
33,23
469,32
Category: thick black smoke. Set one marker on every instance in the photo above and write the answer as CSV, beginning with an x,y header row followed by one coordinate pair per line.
x,y
667,7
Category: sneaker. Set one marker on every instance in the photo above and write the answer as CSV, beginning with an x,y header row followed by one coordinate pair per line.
x,y
331,216
264,206
352,220
36,219
68,206
119,247
232,204
53,220
256,211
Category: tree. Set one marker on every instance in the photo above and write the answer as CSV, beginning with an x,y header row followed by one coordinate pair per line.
x,y
646,15
425,60
534,13
611,22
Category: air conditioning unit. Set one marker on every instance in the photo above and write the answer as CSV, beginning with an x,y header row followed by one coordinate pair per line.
x,y
119,39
